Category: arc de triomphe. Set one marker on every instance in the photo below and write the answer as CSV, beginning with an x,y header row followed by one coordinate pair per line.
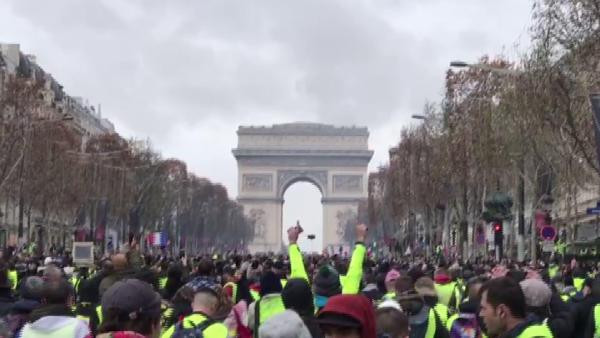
x,y
271,159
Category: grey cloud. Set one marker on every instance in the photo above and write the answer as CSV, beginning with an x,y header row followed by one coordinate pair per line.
x,y
158,66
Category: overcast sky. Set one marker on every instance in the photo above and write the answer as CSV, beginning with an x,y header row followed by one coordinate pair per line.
x,y
185,74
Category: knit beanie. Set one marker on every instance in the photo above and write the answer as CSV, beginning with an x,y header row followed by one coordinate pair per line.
x,y
327,282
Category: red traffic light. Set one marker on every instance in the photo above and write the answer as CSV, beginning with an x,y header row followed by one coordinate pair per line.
x,y
498,227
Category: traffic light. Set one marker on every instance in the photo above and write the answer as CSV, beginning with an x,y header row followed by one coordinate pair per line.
x,y
498,233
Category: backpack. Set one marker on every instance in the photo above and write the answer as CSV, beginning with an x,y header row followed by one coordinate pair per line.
x,y
196,331
465,326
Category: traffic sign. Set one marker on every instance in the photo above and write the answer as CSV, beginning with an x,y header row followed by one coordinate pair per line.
x,y
593,211
548,233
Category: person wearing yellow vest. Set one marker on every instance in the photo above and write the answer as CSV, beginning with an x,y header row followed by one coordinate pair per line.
x,y
448,291
424,319
593,325
466,319
55,318
348,284
204,306
130,306
13,278
230,287
554,315
578,279
425,287
553,270
503,310
269,304
390,284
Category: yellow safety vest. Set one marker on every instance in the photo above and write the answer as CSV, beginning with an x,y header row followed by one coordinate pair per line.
x,y
99,313
443,312
431,326
165,315
162,282
84,318
255,295
578,283
537,331
597,320
13,277
75,281
215,330
445,292
552,271
268,307
567,296
233,290
390,295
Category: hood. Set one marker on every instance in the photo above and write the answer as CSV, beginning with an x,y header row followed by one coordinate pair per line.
x,y
286,324
52,323
297,295
442,279
470,306
357,307
52,310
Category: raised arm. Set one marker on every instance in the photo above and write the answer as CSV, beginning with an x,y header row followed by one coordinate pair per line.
x,y
296,261
351,282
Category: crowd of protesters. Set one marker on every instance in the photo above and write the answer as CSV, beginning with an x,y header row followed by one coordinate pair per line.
x,y
130,295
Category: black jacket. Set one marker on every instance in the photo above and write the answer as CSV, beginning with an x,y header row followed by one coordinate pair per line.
x,y
6,301
560,321
580,313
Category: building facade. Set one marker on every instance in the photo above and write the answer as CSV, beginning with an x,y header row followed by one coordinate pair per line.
x,y
85,119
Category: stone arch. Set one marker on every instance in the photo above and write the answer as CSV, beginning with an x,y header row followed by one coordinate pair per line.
x,y
271,159
286,178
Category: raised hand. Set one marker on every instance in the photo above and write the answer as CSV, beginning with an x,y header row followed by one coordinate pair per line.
x,y
293,234
361,232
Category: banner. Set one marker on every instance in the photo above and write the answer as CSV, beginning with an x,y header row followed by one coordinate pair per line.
x,y
595,99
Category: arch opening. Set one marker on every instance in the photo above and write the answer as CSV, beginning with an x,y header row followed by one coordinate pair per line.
x,y
302,202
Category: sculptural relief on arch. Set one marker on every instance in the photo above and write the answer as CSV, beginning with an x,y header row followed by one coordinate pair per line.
x,y
270,159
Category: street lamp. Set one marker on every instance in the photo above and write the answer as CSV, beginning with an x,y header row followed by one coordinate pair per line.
x,y
497,70
458,64
311,237
418,117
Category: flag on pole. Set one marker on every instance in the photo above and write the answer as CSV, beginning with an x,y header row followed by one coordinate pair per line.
x,y
159,239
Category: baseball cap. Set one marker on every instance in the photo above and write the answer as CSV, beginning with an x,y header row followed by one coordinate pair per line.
x,y
133,297
201,284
